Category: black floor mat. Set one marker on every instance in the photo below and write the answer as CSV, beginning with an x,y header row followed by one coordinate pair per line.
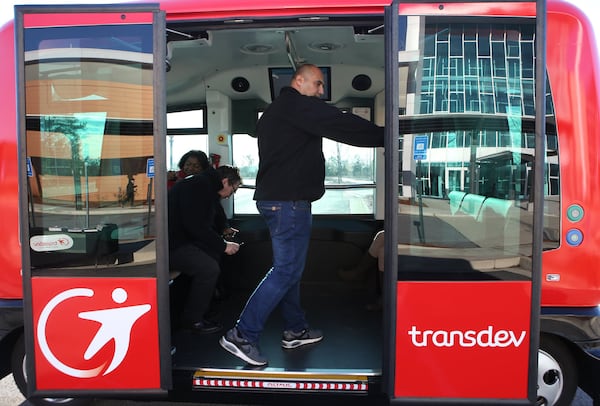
x,y
352,334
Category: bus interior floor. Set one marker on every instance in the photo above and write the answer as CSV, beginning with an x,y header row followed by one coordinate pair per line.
x,y
352,334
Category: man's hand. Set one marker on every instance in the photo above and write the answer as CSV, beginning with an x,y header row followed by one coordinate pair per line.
x,y
231,247
229,233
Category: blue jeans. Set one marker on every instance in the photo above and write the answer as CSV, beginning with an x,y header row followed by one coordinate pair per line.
x,y
290,226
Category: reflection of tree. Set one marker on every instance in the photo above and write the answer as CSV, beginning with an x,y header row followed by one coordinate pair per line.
x,y
249,168
338,158
357,168
354,167
70,128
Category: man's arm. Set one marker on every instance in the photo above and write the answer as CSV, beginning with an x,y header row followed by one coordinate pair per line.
x,y
325,120
351,129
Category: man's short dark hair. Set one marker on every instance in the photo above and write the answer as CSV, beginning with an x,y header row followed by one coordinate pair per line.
x,y
231,173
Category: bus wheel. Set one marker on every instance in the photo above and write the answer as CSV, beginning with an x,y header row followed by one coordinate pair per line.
x,y
18,358
557,373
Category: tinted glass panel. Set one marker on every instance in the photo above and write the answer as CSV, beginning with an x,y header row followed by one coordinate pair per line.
x,y
89,107
466,200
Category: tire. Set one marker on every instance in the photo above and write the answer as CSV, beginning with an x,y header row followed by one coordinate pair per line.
x,y
557,373
18,358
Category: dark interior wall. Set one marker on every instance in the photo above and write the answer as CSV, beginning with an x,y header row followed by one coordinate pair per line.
x,y
335,243
244,114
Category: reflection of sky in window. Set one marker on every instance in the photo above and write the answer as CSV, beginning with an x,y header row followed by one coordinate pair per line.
x,y
92,135
89,128
177,145
245,150
332,149
245,145
245,154
185,119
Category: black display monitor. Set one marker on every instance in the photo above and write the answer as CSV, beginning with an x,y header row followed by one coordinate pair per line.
x,y
280,77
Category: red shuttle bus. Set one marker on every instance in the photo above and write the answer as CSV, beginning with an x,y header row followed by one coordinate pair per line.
x,y
485,291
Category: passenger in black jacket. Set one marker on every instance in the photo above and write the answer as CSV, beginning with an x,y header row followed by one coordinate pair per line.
x,y
291,174
195,246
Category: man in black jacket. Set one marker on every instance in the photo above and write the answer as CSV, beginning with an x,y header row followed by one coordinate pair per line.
x,y
290,177
195,246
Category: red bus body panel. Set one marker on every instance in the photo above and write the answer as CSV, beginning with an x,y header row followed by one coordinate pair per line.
x,y
573,73
427,359
572,62
10,254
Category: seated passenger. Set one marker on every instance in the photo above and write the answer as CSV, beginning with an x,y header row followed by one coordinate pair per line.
x,y
372,259
195,247
192,162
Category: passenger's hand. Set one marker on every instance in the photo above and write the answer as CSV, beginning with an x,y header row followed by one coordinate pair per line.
x,y
231,247
229,233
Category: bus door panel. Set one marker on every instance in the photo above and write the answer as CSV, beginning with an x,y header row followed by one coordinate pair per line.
x,y
461,269
91,139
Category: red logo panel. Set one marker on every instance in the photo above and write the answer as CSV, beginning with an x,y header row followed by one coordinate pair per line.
x,y
462,340
96,333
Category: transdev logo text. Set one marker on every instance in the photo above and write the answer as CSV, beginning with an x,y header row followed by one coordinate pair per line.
x,y
488,337
52,242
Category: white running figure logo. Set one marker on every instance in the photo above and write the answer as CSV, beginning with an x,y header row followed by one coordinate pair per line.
x,y
115,324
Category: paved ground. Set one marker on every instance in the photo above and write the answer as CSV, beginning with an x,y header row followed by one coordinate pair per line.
x,y
9,394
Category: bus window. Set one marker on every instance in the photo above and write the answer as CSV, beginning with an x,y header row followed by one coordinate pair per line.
x,y
186,130
177,145
468,152
245,157
349,177
349,180
185,120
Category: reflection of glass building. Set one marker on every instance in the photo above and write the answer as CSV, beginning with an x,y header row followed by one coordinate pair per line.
x,y
478,68
480,77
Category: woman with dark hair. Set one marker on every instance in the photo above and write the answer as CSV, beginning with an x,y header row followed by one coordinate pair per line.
x,y
195,162
192,162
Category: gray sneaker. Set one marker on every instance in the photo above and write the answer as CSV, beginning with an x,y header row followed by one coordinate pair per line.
x,y
294,340
233,342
